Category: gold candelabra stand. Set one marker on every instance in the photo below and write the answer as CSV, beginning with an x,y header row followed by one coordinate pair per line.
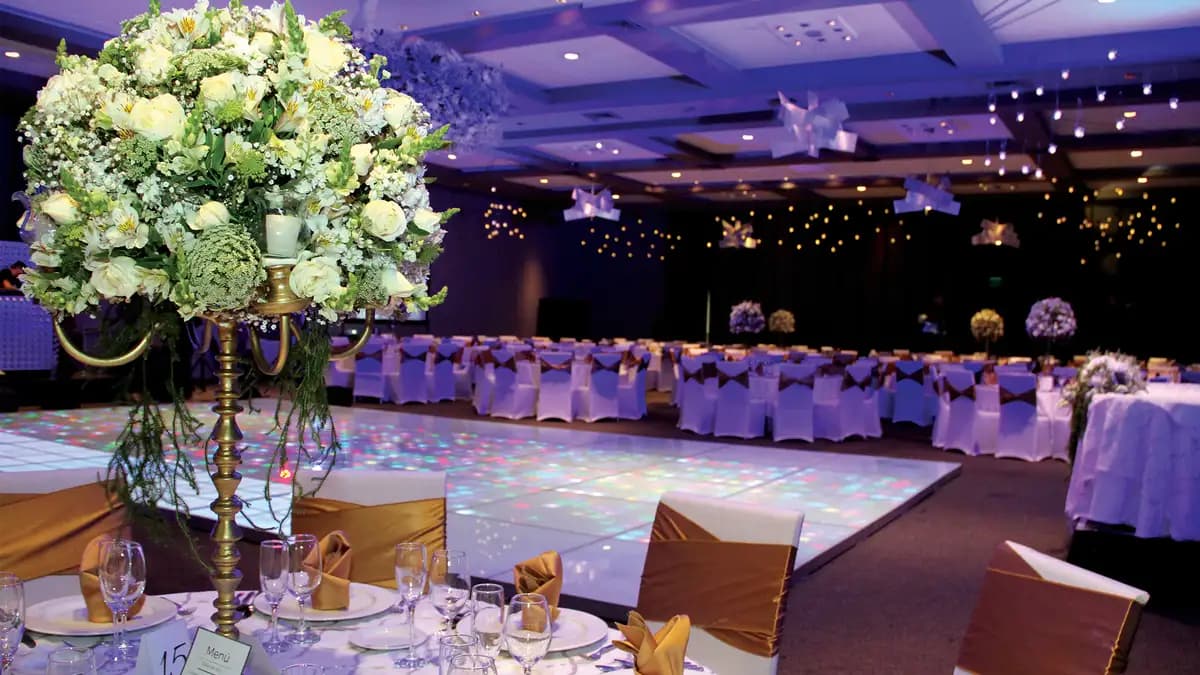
x,y
280,302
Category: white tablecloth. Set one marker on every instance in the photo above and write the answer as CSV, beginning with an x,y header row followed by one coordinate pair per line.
x,y
1139,463
335,650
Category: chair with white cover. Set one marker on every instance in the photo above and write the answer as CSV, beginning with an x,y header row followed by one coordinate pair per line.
x,y
49,518
483,375
464,371
1022,433
441,379
912,384
954,428
510,398
696,406
368,370
1063,374
340,372
554,401
793,416
631,392
1039,614
375,510
858,407
412,385
736,414
827,399
703,548
601,398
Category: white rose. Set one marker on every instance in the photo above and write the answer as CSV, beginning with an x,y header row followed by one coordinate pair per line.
x,y
117,278
264,42
158,118
220,88
155,283
209,214
383,219
109,74
153,64
317,278
362,156
326,56
61,207
426,220
400,110
395,284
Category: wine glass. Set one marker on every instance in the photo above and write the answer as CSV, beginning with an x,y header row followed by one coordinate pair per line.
x,y
472,664
452,645
527,629
487,617
273,567
122,573
449,585
70,661
410,582
12,617
304,575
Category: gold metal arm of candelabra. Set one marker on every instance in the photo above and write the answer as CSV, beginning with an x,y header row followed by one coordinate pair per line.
x,y
96,361
360,343
285,341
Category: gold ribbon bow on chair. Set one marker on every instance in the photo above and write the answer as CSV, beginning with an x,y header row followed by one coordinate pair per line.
x,y
742,378
406,355
375,530
46,534
917,376
507,364
548,366
597,365
786,381
954,392
735,591
848,381
697,374
1029,397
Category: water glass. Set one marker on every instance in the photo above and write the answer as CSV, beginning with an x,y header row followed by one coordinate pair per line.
x,y
410,583
487,617
122,573
273,567
449,585
71,661
304,575
450,646
12,618
472,664
527,629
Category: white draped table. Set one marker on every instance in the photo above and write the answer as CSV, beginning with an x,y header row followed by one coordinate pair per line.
x,y
334,650
1139,463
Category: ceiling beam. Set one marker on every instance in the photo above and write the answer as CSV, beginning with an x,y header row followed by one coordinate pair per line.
x,y
957,27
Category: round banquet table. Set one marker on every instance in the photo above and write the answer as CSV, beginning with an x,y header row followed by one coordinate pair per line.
x,y
1139,462
334,650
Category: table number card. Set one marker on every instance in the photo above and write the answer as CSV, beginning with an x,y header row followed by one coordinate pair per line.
x,y
214,654
164,650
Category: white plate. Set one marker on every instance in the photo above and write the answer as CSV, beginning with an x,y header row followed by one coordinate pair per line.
x,y
387,637
574,629
365,600
68,616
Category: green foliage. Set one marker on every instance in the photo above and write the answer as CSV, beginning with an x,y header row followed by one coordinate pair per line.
x,y
119,53
155,7
197,64
60,54
223,268
428,253
229,112
377,63
294,29
429,302
137,156
334,26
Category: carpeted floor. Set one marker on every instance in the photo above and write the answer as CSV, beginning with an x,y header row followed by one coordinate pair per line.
x,y
898,601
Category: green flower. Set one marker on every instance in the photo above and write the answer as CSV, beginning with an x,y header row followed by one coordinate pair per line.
x,y
224,268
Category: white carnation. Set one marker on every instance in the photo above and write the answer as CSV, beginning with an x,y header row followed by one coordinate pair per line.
x,y
116,278
318,278
384,219
158,118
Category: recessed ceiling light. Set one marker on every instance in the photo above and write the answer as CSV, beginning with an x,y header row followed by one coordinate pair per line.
x,y
571,56
779,28
616,196
616,151
1106,2
847,38
543,181
599,145
797,43
12,55
1135,153
1130,114
676,174
747,137
967,161
477,13
1143,179
861,188
831,23
452,157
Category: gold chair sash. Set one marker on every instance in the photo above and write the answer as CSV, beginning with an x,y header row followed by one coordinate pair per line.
x,y
736,591
742,378
406,355
1025,624
954,392
374,530
547,366
1029,397
46,534
917,376
786,381
598,365
848,381
507,364
377,354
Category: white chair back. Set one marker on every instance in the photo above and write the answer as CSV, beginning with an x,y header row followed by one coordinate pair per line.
x,y
858,406
510,398
368,370
631,393
554,394
696,406
413,386
955,425
735,413
912,383
1018,433
602,386
793,416
441,376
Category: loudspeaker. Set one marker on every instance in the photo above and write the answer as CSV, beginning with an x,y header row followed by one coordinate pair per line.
x,y
563,317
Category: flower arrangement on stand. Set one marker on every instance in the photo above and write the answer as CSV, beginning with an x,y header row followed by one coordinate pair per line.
x,y
987,326
242,166
746,317
1050,319
1103,373
782,321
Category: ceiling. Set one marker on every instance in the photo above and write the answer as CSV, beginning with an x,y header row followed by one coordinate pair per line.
x,y
677,100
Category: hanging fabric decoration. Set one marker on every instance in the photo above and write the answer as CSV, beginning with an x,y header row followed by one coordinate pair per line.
x,y
992,233
814,128
591,204
737,235
925,196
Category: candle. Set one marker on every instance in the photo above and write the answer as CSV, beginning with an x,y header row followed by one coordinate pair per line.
x,y
283,233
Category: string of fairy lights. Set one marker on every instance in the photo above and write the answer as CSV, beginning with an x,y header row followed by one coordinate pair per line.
x,y
504,219
825,229
615,240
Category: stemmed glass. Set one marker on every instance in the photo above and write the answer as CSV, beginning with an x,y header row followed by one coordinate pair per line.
x,y
487,617
472,664
410,581
71,661
527,629
304,575
122,573
12,617
449,586
273,567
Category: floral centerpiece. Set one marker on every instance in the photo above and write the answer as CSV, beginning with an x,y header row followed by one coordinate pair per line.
x,y
1050,319
160,163
746,317
987,326
1103,373
782,321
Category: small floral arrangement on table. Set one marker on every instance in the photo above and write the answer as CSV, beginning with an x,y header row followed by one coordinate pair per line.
x,y
782,321
987,326
746,317
1051,319
1103,373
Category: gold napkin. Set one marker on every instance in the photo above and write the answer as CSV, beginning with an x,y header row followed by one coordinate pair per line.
x,y
334,589
89,584
659,653
541,574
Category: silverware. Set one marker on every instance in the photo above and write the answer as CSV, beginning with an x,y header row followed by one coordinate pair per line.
x,y
601,651
180,609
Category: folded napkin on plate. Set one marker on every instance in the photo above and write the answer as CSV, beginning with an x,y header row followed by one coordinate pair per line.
x,y
541,574
89,584
660,653
334,590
